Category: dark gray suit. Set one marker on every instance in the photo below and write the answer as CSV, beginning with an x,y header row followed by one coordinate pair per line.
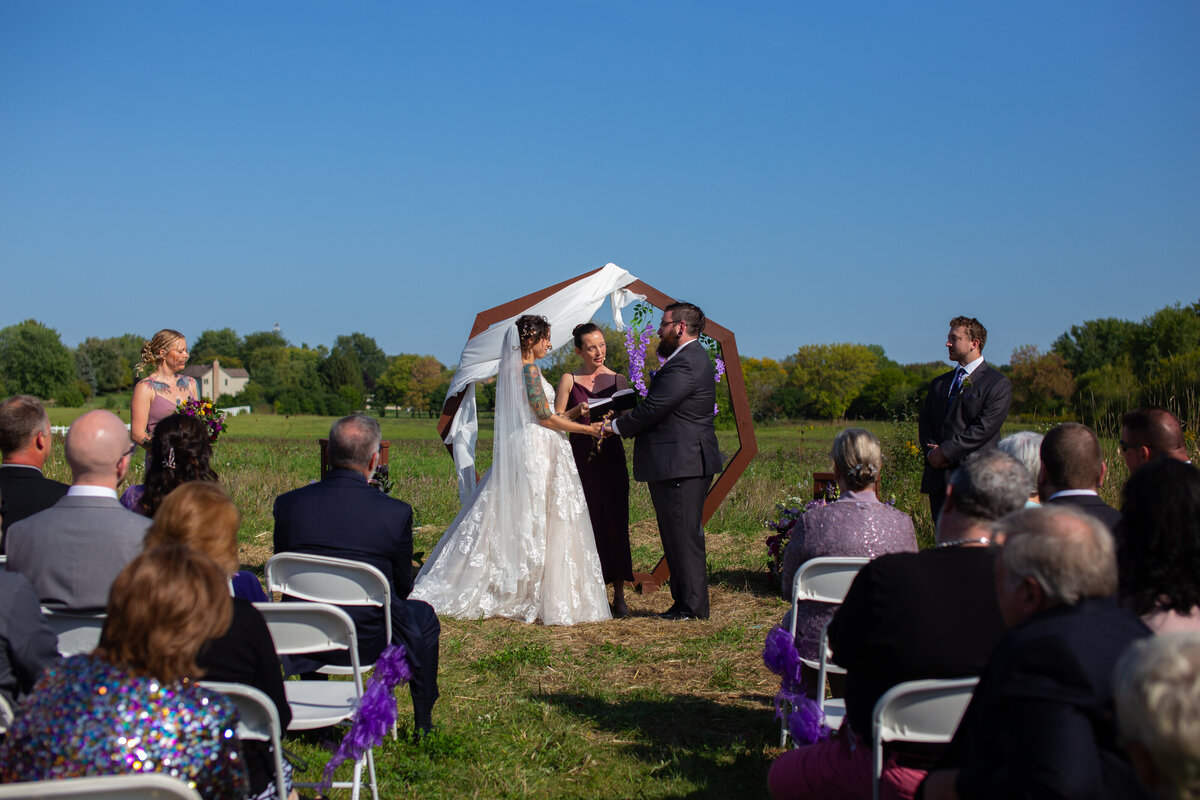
x,y
676,454
72,551
961,425
1093,505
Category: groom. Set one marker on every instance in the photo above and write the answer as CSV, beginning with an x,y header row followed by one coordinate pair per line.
x,y
676,452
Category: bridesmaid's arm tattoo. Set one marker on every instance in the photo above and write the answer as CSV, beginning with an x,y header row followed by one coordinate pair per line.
x,y
533,391
183,382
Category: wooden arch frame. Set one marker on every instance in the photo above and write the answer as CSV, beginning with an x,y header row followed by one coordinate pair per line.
x,y
747,443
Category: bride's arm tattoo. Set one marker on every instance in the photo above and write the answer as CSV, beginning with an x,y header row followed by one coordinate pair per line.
x,y
533,391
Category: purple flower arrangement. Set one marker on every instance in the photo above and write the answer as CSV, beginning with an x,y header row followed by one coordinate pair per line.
x,y
805,721
637,341
203,410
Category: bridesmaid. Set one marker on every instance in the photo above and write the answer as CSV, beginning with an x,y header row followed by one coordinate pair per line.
x,y
156,395
602,471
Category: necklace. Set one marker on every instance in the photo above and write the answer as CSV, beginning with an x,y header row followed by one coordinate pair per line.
x,y
959,542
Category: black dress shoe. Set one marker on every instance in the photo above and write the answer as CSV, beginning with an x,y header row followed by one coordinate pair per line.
x,y
675,616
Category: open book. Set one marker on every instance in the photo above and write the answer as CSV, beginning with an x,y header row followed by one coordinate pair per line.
x,y
620,401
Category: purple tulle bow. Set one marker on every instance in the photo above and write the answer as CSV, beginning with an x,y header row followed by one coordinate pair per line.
x,y
376,709
806,722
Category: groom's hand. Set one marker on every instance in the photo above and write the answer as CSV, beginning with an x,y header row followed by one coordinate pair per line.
x,y
936,458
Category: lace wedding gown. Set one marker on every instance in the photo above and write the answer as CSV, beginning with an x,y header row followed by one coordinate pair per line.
x,y
522,546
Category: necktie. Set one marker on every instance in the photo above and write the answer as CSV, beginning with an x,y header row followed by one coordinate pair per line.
x,y
959,374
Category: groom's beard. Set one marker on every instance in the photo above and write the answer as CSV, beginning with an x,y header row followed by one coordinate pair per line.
x,y
665,348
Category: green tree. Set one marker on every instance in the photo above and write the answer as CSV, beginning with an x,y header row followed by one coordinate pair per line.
x,y
1170,331
109,362
1094,343
224,345
763,378
827,377
33,360
1104,393
130,346
260,347
370,357
1041,382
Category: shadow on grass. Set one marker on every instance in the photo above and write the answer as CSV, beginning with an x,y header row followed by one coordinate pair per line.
x,y
757,582
719,748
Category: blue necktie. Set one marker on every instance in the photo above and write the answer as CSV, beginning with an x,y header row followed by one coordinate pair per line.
x,y
959,374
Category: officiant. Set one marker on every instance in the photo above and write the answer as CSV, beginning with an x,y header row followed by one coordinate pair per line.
x,y
584,395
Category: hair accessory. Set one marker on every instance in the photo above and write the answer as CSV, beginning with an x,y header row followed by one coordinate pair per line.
x,y
169,461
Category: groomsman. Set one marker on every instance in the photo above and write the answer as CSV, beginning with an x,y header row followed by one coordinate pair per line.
x,y
676,453
964,410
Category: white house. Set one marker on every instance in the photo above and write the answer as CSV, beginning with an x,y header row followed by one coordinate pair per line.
x,y
228,381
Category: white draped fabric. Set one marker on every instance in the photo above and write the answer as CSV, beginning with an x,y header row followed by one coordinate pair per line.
x,y
480,357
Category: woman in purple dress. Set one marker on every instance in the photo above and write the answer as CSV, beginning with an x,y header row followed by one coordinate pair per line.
x,y
601,463
856,524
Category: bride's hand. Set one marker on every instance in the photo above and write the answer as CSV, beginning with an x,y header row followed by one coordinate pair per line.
x,y
597,430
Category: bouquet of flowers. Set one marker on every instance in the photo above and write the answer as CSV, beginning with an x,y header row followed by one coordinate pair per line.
x,y
789,513
204,411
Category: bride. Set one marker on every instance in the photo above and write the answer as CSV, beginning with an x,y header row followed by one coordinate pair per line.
x,y
522,546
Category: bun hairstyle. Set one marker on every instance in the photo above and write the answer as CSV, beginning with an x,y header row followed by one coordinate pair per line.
x,y
180,451
532,328
152,351
858,457
582,330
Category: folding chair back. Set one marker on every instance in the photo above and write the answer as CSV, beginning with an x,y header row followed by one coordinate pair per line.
x,y
926,711
77,631
258,721
6,714
338,581
301,628
138,786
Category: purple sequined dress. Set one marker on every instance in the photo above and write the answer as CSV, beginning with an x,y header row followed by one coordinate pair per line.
x,y
857,524
605,479
86,717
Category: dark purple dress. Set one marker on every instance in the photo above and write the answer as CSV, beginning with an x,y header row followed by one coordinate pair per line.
x,y
605,480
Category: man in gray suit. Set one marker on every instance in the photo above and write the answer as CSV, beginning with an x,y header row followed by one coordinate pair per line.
x,y
676,453
72,551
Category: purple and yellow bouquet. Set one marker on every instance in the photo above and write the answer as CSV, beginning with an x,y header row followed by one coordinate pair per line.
x,y
204,411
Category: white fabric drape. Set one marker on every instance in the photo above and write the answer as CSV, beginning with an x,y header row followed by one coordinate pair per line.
x,y
480,357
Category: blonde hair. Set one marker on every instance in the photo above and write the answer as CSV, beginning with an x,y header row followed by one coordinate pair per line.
x,y
152,351
200,515
858,456
163,607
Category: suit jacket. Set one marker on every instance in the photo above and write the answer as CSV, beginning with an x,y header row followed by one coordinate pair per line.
x,y
24,491
969,422
1041,722
345,517
72,551
1092,504
27,645
676,437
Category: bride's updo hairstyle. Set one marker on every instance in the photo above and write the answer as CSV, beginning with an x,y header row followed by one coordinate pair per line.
x,y
155,350
858,457
532,329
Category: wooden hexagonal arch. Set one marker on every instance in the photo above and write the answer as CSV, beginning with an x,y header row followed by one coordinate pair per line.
x,y
747,444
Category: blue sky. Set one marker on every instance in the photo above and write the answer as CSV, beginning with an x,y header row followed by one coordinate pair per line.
x,y
805,172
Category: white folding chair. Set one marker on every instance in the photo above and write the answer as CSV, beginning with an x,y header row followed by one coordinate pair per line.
x,y
6,714
77,631
926,711
822,580
258,720
303,628
138,786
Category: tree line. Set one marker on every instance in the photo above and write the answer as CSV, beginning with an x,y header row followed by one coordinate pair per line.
x,y
1094,370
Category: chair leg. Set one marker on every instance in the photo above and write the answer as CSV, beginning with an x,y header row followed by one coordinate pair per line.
x,y
356,786
371,772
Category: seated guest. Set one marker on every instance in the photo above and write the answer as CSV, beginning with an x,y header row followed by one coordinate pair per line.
x,y
856,524
25,446
179,451
1073,470
909,616
131,706
1025,446
1040,721
27,645
345,517
1159,546
1157,693
200,515
72,551
1150,433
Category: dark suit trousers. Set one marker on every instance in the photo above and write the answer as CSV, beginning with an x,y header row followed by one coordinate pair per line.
x,y
416,626
679,507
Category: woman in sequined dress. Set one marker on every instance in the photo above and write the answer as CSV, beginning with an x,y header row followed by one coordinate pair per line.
x,y
856,524
131,706
602,469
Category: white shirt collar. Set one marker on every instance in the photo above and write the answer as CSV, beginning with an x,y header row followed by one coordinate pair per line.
x,y
92,491
972,366
26,466
1073,493
677,349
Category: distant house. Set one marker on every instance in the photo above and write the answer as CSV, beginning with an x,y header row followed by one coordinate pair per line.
x,y
228,381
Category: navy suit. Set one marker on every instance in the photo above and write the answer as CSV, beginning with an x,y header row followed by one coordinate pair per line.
x,y
1093,505
24,491
1041,723
961,425
345,517
676,454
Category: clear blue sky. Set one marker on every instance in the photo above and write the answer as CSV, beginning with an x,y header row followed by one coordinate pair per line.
x,y
806,172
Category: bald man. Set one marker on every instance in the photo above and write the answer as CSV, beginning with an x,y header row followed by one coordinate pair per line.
x,y
1149,433
72,551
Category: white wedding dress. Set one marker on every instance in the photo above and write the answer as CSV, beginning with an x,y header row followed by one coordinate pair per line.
x,y
522,546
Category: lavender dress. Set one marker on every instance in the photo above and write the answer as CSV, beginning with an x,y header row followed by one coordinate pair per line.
x,y
857,524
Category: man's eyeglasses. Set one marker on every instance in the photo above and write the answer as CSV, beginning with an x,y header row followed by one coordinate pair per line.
x,y
667,322
1126,445
127,454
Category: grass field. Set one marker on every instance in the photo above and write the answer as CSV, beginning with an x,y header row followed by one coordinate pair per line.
x,y
630,708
